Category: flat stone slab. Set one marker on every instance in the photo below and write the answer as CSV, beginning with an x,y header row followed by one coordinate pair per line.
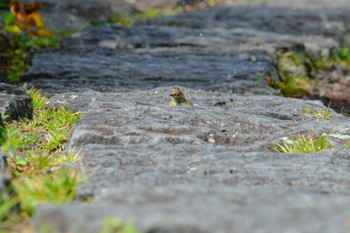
x,y
74,14
328,21
129,70
223,52
206,167
235,210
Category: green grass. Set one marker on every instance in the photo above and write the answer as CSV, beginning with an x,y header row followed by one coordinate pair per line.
x,y
48,130
299,144
56,187
36,161
36,165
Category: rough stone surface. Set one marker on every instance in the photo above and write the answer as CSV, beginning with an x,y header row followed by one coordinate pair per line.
x,y
265,211
76,14
15,102
206,167
125,71
327,22
109,58
238,44
332,84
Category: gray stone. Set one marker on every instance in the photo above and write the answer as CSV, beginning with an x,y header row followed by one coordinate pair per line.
x,y
75,14
15,103
296,4
125,71
77,101
110,58
239,51
204,168
208,167
234,210
4,179
320,21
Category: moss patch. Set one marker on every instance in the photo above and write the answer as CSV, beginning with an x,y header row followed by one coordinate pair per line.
x,y
299,69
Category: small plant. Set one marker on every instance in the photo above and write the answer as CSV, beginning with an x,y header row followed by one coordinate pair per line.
x,y
344,54
38,98
319,114
302,144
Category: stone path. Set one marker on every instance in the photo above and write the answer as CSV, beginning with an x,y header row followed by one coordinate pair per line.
x,y
238,45
207,167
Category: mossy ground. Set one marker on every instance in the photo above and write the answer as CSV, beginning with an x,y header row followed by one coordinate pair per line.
x,y
298,70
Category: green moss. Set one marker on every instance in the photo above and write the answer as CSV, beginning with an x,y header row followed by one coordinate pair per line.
x,y
294,81
298,70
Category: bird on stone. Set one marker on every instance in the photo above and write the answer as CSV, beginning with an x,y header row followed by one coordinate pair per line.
x,y
178,98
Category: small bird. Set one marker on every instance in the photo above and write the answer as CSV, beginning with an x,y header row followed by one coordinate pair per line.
x,y
178,98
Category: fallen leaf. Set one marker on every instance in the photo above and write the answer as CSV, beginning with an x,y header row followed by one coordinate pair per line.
x,y
27,16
